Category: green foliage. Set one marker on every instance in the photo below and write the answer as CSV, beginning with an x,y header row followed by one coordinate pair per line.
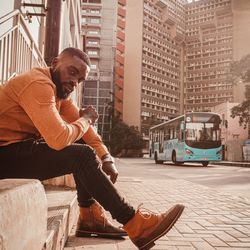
x,y
241,72
241,69
243,110
125,137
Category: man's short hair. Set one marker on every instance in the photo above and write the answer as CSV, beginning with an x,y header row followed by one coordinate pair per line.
x,y
77,52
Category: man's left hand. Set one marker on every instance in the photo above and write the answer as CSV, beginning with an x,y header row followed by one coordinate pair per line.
x,y
109,169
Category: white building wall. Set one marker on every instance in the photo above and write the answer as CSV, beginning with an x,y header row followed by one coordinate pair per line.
x,y
233,135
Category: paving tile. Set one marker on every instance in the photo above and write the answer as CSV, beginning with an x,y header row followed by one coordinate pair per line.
x,y
204,225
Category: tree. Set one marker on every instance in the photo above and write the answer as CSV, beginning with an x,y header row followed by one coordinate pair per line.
x,y
241,72
125,137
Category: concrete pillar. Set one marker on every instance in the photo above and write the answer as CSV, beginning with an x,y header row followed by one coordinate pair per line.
x,y
52,30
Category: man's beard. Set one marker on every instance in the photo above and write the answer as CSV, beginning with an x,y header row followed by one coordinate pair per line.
x,y
60,93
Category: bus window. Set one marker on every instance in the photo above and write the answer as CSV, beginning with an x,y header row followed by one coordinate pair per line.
x,y
172,133
166,134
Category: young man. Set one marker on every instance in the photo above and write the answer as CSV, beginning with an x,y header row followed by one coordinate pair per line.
x,y
37,105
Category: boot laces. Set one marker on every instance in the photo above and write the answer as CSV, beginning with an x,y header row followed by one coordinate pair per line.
x,y
145,213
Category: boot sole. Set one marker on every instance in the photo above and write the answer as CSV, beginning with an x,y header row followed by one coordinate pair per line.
x,y
80,233
163,231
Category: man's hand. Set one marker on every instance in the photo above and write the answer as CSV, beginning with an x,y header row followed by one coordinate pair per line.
x,y
89,113
110,170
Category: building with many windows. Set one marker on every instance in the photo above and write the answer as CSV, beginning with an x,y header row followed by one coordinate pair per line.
x,y
120,56
153,61
98,30
175,56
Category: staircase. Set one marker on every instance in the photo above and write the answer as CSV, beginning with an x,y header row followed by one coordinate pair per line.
x,y
62,215
19,53
18,50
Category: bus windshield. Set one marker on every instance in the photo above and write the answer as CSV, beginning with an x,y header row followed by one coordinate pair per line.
x,y
202,131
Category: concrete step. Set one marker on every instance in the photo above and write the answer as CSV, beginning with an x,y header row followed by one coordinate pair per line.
x,y
62,215
23,213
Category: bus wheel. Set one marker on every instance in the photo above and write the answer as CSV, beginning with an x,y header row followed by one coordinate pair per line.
x,y
174,157
205,163
156,159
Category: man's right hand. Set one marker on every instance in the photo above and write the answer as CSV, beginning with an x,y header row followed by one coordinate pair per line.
x,y
89,113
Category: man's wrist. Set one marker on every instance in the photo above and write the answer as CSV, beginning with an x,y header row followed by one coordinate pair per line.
x,y
108,158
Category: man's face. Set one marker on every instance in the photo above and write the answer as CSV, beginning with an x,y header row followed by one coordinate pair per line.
x,y
67,72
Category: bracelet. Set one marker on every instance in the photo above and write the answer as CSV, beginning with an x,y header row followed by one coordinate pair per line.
x,y
108,158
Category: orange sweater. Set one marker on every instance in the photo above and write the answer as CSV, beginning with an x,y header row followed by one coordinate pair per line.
x,y
29,109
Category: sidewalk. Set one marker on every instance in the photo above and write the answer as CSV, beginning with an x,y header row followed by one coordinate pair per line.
x,y
211,220
232,163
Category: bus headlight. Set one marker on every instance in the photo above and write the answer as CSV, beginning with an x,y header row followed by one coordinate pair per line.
x,y
189,152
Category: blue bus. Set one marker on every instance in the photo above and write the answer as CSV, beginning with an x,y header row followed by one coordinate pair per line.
x,y
193,137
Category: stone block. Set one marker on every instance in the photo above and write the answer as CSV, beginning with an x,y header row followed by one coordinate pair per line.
x,y
23,214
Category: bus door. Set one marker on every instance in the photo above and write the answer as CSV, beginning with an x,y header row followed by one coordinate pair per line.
x,y
181,137
161,141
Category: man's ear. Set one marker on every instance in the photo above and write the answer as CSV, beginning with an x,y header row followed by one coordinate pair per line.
x,y
54,62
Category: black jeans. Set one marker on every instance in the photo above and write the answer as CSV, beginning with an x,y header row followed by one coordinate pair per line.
x,y
36,160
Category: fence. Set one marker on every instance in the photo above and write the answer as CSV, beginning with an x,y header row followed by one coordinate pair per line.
x,y
18,51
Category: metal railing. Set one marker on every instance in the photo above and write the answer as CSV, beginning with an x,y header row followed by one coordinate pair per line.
x,y
18,51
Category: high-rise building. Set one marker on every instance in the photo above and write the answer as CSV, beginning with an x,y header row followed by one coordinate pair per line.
x,y
176,56
98,29
153,61
120,50
209,48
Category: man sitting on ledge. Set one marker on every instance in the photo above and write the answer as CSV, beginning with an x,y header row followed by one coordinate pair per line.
x,y
37,105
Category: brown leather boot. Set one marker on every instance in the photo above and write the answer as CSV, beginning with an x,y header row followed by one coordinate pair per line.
x,y
92,221
145,228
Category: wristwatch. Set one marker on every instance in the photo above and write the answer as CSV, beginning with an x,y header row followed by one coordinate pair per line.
x,y
108,158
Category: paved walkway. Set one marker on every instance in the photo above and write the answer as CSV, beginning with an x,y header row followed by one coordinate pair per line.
x,y
211,220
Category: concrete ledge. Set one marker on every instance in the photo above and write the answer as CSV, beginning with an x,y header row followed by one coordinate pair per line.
x,y
62,215
23,214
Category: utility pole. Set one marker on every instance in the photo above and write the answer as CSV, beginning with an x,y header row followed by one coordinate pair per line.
x,y
52,30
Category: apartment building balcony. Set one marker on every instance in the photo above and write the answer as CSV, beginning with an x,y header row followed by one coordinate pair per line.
x,y
92,46
120,47
118,106
91,14
94,57
210,24
93,4
91,35
122,2
121,24
119,71
120,59
160,3
92,25
121,12
120,35
223,10
193,38
167,17
179,37
119,95
119,82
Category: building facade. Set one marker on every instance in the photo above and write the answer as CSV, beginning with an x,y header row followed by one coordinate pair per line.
x,y
98,31
177,57
119,59
233,136
153,63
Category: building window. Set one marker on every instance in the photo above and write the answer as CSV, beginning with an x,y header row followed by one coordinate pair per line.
x,y
95,20
93,32
93,66
92,52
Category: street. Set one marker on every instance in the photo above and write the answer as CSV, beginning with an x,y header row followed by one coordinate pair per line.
x,y
233,180
216,199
